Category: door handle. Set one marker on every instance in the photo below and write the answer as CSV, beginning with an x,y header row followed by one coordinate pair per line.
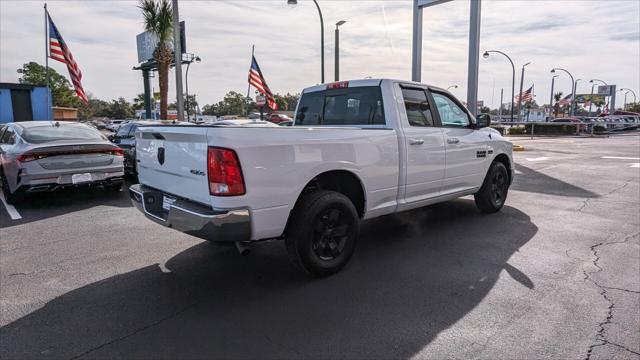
x,y
416,141
453,141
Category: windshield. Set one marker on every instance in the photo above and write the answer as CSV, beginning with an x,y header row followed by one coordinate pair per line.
x,y
42,134
348,106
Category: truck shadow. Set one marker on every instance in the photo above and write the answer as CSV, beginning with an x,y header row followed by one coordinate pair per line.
x,y
414,275
536,182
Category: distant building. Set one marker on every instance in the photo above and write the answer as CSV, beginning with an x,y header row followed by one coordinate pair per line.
x,y
65,113
22,102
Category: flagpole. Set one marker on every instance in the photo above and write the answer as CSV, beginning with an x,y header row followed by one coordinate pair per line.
x,y
46,60
253,47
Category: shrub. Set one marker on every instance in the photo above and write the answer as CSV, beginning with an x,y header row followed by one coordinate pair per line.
x,y
517,130
549,129
599,129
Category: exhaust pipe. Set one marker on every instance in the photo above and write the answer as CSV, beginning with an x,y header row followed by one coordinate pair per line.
x,y
243,248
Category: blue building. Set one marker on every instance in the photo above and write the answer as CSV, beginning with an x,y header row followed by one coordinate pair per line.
x,y
22,102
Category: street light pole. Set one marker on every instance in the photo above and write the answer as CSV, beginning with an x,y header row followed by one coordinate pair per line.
x,y
191,58
632,92
553,80
573,91
520,95
337,50
513,76
178,60
592,81
294,3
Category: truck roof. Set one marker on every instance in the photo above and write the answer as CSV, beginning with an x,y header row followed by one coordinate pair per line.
x,y
361,83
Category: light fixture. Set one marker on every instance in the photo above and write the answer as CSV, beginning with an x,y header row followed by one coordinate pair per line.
x,y
292,3
485,55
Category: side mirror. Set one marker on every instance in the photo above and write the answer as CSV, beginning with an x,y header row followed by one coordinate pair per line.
x,y
483,120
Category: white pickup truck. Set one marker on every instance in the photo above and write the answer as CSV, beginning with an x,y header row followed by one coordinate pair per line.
x,y
358,150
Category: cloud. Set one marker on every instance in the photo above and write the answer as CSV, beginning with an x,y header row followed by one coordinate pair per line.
x,y
101,35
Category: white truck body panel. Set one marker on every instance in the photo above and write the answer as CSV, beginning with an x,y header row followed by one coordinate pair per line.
x,y
399,166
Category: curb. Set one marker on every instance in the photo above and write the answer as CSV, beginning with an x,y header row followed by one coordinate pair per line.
x,y
518,148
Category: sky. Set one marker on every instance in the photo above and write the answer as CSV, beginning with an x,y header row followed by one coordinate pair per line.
x,y
591,39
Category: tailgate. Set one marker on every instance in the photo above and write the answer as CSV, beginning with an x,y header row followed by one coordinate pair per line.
x,y
173,159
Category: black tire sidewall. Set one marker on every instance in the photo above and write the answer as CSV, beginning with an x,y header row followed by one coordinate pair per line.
x,y
300,240
484,199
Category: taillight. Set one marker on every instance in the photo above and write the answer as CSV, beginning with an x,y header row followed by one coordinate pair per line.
x,y
225,174
29,157
117,152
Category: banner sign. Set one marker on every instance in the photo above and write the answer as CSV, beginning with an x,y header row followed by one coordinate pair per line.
x,y
606,90
261,100
147,42
583,98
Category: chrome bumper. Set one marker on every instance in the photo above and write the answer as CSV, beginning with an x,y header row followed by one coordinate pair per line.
x,y
192,218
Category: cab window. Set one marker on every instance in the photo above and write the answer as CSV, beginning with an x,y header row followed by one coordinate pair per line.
x,y
356,106
417,106
451,114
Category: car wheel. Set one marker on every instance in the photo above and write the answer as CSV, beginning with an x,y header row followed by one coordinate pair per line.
x,y
11,197
493,193
322,233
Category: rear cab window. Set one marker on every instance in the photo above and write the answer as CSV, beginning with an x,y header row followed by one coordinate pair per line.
x,y
356,106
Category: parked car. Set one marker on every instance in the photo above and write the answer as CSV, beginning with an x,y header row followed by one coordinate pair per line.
x,y
359,150
113,125
40,156
278,118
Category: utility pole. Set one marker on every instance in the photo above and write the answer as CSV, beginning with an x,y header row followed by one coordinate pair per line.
x,y
178,60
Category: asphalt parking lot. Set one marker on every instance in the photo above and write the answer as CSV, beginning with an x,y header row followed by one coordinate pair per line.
x,y
556,274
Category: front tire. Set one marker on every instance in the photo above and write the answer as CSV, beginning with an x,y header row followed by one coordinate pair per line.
x,y
493,193
322,233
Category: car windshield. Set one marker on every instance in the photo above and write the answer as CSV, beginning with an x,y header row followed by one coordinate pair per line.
x,y
48,133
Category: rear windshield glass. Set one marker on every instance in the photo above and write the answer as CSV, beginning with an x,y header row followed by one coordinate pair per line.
x,y
350,106
42,134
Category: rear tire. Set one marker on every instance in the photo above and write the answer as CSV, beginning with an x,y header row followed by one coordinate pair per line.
x,y
12,198
493,193
322,232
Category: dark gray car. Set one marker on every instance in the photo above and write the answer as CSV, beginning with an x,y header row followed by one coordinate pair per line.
x,y
39,156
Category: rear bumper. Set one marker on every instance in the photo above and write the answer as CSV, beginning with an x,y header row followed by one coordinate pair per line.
x,y
192,218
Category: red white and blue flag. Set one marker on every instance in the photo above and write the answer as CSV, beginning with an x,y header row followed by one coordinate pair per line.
x,y
525,96
256,79
58,50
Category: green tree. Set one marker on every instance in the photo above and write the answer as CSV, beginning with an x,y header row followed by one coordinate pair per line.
x,y
633,107
120,109
138,102
158,20
62,94
557,96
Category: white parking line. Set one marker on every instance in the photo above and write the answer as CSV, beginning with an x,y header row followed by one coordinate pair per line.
x,y
543,158
13,213
620,158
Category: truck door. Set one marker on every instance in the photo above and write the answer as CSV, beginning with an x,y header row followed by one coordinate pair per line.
x,y
466,148
424,144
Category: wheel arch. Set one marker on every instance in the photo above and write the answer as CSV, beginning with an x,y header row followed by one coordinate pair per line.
x,y
342,181
504,159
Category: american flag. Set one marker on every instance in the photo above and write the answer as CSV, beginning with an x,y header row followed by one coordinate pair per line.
x,y
565,101
257,81
58,50
525,96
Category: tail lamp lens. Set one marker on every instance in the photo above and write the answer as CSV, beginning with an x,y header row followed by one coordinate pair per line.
x,y
225,174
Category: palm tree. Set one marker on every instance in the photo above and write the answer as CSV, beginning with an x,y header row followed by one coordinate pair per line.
x,y
557,96
158,20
